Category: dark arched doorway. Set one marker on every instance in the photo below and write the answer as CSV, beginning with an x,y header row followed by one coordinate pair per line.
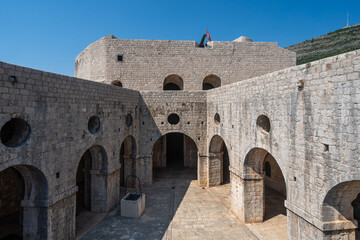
x,y
219,159
21,188
175,154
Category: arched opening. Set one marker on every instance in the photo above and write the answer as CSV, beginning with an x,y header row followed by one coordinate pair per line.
x,y
173,82
175,154
219,160
22,189
266,188
342,203
128,161
211,81
116,83
92,186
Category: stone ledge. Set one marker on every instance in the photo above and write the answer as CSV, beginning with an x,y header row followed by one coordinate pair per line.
x,y
323,226
245,177
48,203
63,195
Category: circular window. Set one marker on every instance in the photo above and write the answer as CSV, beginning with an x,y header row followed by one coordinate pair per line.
x,y
173,119
129,120
94,124
263,123
15,132
217,119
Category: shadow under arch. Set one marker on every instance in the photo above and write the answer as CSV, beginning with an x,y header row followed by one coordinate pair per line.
x,y
211,81
24,210
342,203
174,151
219,159
128,153
91,179
173,82
264,187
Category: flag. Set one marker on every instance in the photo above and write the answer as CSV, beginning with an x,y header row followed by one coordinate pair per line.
x,y
208,35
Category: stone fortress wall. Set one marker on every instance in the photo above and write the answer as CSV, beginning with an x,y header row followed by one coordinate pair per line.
x,y
146,63
312,114
58,109
321,182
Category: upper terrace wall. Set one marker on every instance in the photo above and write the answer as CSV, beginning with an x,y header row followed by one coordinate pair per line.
x,y
146,63
325,111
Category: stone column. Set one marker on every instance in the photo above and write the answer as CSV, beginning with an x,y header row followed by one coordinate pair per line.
x,y
113,189
35,219
214,169
202,169
99,196
253,199
129,169
144,169
61,216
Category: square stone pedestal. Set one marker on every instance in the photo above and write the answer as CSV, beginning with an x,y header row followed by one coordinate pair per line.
x,y
133,205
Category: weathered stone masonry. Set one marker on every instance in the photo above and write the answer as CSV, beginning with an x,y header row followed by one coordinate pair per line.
x,y
146,63
303,121
312,111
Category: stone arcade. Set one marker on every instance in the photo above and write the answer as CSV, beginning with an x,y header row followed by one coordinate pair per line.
x,y
67,144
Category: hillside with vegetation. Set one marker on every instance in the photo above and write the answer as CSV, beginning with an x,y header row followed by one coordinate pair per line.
x,y
337,42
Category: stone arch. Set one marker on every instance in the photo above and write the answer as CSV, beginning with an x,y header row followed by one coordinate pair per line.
x,y
259,187
211,81
338,203
116,83
173,82
92,179
24,192
219,162
162,146
128,153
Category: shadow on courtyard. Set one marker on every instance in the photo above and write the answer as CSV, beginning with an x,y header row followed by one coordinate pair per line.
x,y
163,199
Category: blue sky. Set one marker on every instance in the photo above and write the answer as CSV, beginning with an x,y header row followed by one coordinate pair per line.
x,y
48,35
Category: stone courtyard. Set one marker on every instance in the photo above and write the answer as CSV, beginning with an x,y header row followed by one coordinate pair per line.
x,y
177,208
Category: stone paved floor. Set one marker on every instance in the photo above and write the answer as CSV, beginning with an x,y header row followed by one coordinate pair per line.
x,y
274,225
176,208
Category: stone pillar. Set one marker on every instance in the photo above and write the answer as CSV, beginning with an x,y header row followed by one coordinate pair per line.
x,y
202,169
190,153
35,219
113,189
214,169
253,199
99,196
128,170
159,153
61,216
144,169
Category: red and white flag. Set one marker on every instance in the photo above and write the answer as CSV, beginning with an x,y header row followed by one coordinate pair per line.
x,y
208,35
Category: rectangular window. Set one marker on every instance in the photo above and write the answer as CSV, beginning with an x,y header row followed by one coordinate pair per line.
x,y
120,58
